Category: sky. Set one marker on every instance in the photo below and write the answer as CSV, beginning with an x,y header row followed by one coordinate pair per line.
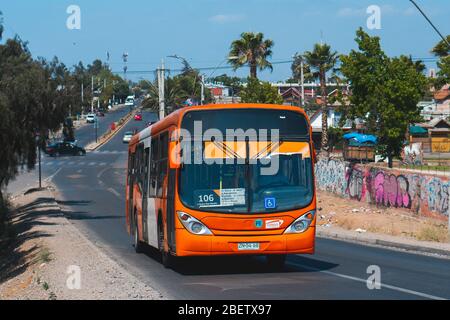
x,y
202,30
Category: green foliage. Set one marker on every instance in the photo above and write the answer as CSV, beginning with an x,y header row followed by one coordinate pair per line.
x,y
335,137
33,98
296,70
321,60
385,92
441,49
260,92
252,50
178,89
233,82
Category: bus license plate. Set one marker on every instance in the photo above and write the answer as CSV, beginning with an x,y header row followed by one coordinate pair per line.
x,y
248,246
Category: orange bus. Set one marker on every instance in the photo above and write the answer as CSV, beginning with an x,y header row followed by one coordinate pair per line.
x,y
224,180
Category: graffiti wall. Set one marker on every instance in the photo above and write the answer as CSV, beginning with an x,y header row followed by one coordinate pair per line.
x,y
423,194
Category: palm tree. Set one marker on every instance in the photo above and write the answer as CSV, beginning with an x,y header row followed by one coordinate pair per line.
x,y
251,49
174,96
321,60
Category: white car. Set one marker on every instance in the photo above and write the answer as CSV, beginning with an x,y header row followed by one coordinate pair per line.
x,y
90,118
127,136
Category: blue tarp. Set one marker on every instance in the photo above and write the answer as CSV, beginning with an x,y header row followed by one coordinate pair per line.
x,y
360,138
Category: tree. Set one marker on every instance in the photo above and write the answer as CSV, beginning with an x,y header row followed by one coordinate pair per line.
x,y
1,25
260,92
233,82
296,70
321,60
33,97
385,93
174,96
442,50
252,50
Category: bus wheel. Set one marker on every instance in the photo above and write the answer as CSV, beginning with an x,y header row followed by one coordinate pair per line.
x,y
276,261
166,258
138,246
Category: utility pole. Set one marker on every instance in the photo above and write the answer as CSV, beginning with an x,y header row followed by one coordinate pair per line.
x,y
302,79
125,67
92,89
82,94
202,99
161,78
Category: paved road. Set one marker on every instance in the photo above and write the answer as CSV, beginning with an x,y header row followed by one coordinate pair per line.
x,y
84,135
91,191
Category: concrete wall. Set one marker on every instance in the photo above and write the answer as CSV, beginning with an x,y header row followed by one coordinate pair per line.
x,y
423,194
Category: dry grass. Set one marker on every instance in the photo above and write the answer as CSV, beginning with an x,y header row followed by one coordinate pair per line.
x,y
433,233
352,215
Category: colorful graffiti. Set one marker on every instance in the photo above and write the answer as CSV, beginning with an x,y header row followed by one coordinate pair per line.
x,y
422,194
413,154
330,175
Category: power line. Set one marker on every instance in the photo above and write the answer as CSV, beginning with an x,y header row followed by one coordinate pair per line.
x,y
431,23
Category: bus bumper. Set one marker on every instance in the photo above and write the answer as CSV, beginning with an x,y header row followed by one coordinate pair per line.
x,y
188,244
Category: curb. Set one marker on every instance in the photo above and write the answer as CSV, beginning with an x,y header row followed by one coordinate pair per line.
x,y
112,134
384,243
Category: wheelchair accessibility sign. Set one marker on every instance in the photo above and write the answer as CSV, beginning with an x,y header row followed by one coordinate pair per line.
x,y
270,203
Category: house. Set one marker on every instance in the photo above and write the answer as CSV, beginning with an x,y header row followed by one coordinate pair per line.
x,y
439,107
291,92
434,135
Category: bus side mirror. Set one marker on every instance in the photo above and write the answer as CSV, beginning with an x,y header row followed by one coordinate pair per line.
x,y
174,155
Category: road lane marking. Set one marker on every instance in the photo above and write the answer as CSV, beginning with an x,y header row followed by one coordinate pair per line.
x,y
114,192
53,175
387,286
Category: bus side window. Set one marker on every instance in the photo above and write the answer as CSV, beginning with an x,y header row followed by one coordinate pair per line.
x,y
162,163
153,170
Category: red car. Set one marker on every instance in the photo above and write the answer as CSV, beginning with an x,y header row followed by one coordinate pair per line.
x,y
138,117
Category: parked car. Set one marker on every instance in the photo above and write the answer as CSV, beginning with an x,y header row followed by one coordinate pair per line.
x,y
90,118
100,113
64,148
127,136
138,117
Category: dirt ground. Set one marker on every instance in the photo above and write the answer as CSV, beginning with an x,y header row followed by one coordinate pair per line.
x,y
49,252
362,217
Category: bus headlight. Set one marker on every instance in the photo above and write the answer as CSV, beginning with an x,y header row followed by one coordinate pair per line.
x,y
193,225
301,224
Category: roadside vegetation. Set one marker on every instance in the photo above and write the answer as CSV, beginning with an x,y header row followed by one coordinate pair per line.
x,y
36,98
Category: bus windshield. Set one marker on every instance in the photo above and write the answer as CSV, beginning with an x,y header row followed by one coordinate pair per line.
x,y
251,177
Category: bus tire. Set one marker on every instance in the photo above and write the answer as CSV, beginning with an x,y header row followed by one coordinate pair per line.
x,y
138,245
166,258
276,261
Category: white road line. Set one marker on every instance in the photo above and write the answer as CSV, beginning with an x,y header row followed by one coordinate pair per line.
x,y
92,163
387,286
103,164
114,192
53,175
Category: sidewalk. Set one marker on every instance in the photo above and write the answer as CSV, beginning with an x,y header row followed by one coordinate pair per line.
x,y
49,250
357,221
369,238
